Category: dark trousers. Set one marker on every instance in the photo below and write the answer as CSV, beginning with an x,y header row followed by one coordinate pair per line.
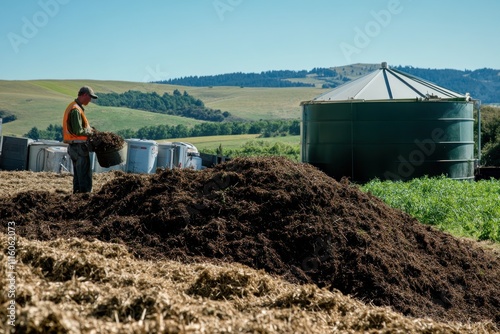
x,y
82,169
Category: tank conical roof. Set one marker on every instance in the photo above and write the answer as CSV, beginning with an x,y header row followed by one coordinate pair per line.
x,y
389,84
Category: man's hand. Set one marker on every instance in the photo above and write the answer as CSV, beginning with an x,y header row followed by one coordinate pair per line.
x,y
90,130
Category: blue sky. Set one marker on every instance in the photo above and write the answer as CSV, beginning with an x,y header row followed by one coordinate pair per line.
x,y
152,40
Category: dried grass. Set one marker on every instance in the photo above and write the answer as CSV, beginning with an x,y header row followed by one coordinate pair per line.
x,y
77,286
16,182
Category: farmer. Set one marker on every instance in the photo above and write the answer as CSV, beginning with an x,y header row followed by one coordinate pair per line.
x,y
76,129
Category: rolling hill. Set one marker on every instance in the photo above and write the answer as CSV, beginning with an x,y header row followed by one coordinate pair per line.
x,y
483,84
40,103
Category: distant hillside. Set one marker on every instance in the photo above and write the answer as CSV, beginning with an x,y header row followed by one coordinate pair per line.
x,y
482,84
40,103
172,104
263,79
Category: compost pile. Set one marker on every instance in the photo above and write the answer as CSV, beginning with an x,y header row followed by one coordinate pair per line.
x,y
286,218
105,141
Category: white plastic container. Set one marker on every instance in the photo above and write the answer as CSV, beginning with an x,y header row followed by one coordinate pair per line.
x,y
172,155
180,157
166,153
57,160
194,162
141,156
37,153
185,150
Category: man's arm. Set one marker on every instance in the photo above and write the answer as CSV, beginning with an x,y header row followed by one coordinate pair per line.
x,y
75,124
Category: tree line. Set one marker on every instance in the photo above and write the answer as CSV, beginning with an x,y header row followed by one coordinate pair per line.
x,y
53,132
179,104
490,136
165,131
263,79
482,84
263,128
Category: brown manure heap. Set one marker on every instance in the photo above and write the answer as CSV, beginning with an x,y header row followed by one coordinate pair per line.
x,y
105,141
287,218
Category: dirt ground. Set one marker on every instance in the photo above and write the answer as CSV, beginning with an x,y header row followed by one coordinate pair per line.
x,y
286,218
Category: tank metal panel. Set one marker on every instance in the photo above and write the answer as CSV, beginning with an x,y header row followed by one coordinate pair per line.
x,y
389,140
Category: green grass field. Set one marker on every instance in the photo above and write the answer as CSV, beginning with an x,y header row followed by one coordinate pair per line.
x,y
257,103
466,209
39,103
212,142
231,142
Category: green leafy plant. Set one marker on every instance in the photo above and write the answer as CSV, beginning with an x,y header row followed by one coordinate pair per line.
x,y
463,208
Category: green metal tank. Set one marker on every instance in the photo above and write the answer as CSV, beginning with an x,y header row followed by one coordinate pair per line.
x,y
389,125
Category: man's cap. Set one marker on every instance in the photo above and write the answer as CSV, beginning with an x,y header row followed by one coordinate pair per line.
x,y
87,90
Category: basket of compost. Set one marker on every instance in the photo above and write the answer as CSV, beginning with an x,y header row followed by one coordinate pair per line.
x,y
109,148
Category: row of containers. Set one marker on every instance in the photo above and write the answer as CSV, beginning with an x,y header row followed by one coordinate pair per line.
x,y
142,156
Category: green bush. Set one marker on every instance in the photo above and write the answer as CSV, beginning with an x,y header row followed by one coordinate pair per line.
x,y
491,154
490,136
